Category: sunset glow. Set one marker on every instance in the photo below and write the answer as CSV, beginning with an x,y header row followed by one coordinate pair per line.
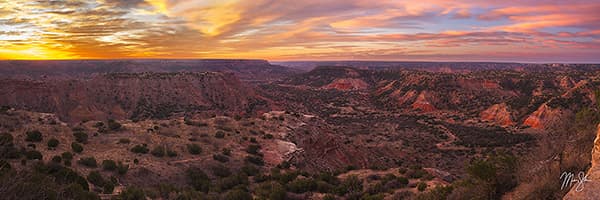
x,y
462,30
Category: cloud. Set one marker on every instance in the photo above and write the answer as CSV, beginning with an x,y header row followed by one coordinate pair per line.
x,y
286,29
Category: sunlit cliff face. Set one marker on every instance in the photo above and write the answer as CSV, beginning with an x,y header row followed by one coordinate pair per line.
x,y
509,30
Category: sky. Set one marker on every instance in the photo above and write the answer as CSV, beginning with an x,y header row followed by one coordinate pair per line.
x,y
278,30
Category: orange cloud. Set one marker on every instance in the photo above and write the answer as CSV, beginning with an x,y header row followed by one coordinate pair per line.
x,y
322,29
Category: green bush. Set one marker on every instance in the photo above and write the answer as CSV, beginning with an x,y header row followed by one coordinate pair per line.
x,y
140,149
271,190
220,158
6,139
109,165
253,149
33,136
56,159
132,193
198,179
33,154
220,134
96,178
88,162
421,186
255,160
158,151
220,171
302,185
5,167
226,151
77,148
237,194
81,137
67,155
122,168
194,149
53,142
171,153
124,141
114,125
108,187
350,185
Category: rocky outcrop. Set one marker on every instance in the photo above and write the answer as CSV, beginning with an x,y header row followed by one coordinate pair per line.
x,y
133,95
346,84
588,189
498,114
422,104
542,116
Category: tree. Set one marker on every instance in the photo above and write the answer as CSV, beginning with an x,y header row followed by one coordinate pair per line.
x,y
33,136
80,137
140,149
237,194
77,148
53,142
109,165
33,154
132,193
198,179
421,186
194,149
158,151
114,125
88,162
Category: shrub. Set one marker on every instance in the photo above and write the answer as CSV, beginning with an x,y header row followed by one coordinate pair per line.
x,y
171,153
329,197
109,165
88,162
108,187
53,142
122,168
124,141
81,137
132,193
194,149
271,190
198,179
4,167
350,185
253,149
67,155
220,134
220,158
249,170
98,124
255,160
421,186
140,149
237,194
56,159
33,136
158,151
95,178
302,185
114,125
33,154
77,148
226,151
6,139
220,171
